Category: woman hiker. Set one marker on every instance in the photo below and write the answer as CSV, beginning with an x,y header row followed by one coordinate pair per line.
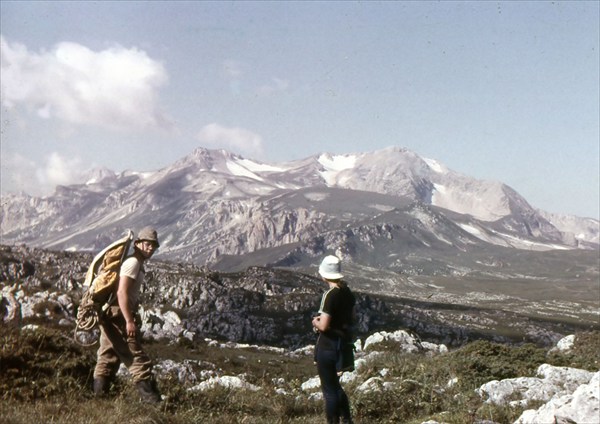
x,y
334,322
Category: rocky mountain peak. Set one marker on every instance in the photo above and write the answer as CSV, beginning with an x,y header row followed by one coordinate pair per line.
x,y
98,175
213,203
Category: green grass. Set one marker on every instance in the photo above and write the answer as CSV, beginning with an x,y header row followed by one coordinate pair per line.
x,y
46,377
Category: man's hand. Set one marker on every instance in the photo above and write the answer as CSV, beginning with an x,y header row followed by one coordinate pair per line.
x,y
130,328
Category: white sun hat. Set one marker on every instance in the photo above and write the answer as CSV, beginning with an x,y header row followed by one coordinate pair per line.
x,y
331,268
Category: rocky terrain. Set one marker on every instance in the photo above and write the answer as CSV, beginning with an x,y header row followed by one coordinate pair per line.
x,y
273,306
247,333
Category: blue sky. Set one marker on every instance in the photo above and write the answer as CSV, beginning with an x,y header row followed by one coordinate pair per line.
x,y
505,91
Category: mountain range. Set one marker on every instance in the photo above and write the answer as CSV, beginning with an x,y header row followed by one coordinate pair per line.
x,y
379,209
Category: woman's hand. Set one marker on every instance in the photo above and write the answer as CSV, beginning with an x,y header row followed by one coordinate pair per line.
x,y
315,323
321,322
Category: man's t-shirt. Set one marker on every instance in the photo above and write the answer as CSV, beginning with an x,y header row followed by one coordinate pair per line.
x,y
337,302
133,269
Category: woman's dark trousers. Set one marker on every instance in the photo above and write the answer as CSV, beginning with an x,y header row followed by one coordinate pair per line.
x,y
337,405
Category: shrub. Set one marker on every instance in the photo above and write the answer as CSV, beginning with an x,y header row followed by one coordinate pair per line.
x,y
481,361
585,353
41,363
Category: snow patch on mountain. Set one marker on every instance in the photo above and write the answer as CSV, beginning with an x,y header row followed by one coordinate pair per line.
x,y
333,165
143,175
480,234
573,225
435,166
439,189
485,200
383,208
430,223
531,244
316,197
508,240
240,171
259,167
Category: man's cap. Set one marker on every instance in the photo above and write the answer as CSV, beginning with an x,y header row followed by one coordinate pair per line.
x,y
331,268
148,234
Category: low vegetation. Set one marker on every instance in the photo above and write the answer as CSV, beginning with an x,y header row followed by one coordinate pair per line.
x,y
46,377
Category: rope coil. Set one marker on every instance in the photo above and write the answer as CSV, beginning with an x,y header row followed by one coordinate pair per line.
x,y
87,320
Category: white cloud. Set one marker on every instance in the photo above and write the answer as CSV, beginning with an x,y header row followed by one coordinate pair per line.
x,y
114,88
236,74
23,174
276,85
237,140
61,171
233,69
18,173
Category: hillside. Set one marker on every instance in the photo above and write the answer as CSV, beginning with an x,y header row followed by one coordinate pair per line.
x,y
273,305
236,347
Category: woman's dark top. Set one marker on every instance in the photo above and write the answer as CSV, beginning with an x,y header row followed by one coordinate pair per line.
x,y
338,302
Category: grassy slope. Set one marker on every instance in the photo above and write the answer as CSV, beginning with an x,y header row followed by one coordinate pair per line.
x,y
45,377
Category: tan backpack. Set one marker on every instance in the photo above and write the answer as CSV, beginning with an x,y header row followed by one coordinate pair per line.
x,y
100,287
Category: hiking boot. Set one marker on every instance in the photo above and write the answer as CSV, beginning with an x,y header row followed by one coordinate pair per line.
x,y
101,386
148,391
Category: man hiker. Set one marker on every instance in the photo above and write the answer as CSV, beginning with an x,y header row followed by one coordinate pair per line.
x,y
120,336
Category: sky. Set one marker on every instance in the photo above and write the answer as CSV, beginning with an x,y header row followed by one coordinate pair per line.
x,y
503,91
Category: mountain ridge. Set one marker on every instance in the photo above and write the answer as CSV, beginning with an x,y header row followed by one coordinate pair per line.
x,y
213,203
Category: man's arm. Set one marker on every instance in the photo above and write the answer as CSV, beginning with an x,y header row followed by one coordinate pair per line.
x,y
125,285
